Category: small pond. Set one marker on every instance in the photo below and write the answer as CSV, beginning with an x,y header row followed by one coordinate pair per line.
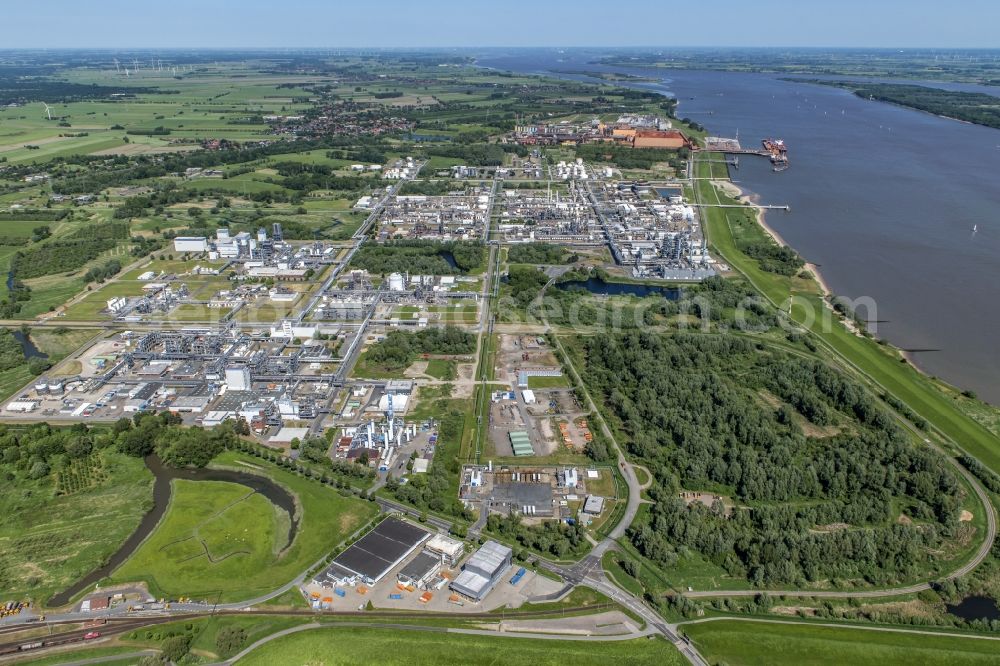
x,y
976,608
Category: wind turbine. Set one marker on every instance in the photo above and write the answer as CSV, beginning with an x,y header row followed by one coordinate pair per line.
x,y
48,111
126,72
117,67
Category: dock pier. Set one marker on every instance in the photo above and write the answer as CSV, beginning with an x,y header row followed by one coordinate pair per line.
x,y
784,207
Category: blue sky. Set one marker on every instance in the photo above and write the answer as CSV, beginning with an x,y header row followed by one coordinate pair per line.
x,y
386,23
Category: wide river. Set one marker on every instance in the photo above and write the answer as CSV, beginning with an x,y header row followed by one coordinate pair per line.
x,y
883,198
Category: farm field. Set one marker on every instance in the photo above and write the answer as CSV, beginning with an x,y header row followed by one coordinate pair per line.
x,y
751,643
347,646
218,538
48,540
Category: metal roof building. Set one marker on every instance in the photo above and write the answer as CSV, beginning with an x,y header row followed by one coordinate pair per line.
x,y
482,571
420,570
594,504
372,556
521,443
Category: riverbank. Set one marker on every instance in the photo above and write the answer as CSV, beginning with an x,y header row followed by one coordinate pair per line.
x,y
874,360
734,191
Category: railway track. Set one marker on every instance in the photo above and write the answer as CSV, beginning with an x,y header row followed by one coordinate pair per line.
x,y
118,626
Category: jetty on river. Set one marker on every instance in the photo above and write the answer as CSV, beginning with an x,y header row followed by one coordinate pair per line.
x,y
773,149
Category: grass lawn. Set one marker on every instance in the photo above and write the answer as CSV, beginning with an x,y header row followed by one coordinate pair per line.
x,y
614,569
217,538
203,632
562,381
365,368
48,296
442,369
69,656
49,541
365,646
740,643
13,380
58,343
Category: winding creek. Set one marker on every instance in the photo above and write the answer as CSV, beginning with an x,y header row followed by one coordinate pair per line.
x,y
163,476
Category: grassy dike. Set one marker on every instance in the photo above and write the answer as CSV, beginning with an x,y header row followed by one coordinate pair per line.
x,y
877,362
741,643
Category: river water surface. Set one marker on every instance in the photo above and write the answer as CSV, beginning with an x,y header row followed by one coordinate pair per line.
x,y
882,197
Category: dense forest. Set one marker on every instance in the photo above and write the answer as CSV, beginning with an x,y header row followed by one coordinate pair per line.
x,y
399,348
978,108
824,484
420,257
540,253
11,352
176,446
774,258
554,538
478,154
40,450
68,252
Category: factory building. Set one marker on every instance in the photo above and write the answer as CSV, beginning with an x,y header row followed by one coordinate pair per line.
x,y
420,571
372,556
448,550
482,571
670,139
190,244
238,378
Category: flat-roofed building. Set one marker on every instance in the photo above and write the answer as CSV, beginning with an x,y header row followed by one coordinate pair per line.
x,y
448,550
372,556
420,570
483,570
190,244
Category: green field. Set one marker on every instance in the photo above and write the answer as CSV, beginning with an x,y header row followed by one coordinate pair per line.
x,y
345,646
13,380
58,343
749,643
441,369
217,538
213,532
48,541
562,381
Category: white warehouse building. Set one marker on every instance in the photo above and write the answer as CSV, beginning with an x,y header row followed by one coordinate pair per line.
x,y
190,244
483,570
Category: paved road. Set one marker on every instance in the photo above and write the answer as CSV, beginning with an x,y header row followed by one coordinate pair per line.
x,y
588,571
440,630
990,511
834,625
108,658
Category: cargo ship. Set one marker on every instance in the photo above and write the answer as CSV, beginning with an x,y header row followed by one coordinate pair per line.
x,y
778,153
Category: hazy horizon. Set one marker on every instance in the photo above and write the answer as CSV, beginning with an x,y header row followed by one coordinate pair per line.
x,y
248,24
